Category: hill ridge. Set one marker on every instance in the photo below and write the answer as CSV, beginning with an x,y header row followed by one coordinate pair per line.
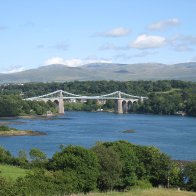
x,y
103,71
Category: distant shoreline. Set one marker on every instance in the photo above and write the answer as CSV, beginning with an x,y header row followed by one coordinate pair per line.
x,y
24,117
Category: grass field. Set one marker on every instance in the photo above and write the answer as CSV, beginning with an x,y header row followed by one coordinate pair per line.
x,y
11,172
147,192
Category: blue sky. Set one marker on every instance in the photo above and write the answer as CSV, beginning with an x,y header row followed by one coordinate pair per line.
x,y
74,32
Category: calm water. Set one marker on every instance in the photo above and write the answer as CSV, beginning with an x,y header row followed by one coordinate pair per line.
x,y
174,135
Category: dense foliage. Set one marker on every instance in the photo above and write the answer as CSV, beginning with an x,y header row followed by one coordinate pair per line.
x,y
11,105
165,97
4,128
167,103
95,87
107,166
190,176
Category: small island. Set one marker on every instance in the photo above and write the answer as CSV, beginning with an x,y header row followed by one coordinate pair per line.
x,y
128,131
7,131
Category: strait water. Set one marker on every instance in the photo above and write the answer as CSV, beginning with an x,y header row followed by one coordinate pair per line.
x,y
174,135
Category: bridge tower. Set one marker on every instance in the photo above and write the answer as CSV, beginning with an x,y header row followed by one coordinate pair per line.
x,y
61,103
118,104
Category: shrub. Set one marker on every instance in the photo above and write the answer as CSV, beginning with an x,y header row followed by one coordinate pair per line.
x,y
110,167
6,187
81,161
190,176
4,128
142,184
5,156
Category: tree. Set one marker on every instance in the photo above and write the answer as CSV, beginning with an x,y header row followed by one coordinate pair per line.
x,y
5,156
175,176
156,165
110,167
9,106
22,160
80,161
38,158
109,104
129,162
190,176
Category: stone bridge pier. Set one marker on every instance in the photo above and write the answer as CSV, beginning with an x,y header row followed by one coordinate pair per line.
x,y
122,106
61,104
118,106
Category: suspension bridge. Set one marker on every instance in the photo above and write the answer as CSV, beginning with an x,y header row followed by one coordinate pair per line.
x,y
123,101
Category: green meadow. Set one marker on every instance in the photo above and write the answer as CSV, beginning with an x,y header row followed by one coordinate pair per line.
x,y
11,172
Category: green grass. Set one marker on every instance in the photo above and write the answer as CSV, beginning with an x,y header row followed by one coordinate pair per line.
x,y
11,172
147,192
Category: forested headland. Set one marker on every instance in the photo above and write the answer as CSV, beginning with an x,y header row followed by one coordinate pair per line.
x,y
107,166
165,96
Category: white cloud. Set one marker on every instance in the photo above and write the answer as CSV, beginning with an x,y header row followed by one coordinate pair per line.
x,y
14,69
117,32
148,41
163,24
143,41
76,61
182,43
59,60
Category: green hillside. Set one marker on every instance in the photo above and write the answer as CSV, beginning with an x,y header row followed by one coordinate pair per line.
x,y
104,71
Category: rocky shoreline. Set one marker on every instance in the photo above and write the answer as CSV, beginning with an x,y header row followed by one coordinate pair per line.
x,y
21,133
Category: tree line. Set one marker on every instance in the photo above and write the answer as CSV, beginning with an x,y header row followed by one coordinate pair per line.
x,y
106,166
14,105
165,96
167,103
141,88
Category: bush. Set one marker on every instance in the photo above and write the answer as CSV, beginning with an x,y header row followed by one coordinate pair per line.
x,y
116,165
155,165
6,187
142,184
39,159
190,176
110,167
4,128
82,162
5,156
129,162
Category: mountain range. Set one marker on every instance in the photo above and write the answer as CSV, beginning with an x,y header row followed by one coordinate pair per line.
x,y
104,71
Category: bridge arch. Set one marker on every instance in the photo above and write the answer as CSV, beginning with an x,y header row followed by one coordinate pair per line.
x,y
124,106
129,105
135,105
